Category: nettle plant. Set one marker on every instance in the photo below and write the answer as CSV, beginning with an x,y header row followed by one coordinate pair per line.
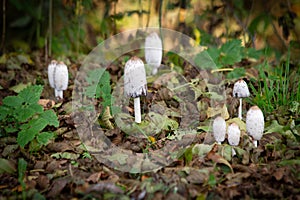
x,y
99,88
23,115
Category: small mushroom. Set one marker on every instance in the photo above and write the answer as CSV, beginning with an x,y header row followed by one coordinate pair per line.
x,y
135,83
240,90
234,135
219,129
255,123
153,51
58,77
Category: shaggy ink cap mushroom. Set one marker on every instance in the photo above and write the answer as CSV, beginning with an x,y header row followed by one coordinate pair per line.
x,y
234,135
240,90
135,83
255,124
153,51
51,68
219,129
58,77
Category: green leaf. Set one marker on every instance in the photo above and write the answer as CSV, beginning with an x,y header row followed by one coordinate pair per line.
x,y
31,94
50,117
44,137
13,101
289,162
18,88
6,166
231,52
27,111
201,149
4,111
22,165
206,59
25,136
236,73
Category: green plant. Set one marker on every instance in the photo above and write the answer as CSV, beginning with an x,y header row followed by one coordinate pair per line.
x,y
99,87
278,88
230,53
23,115
22,165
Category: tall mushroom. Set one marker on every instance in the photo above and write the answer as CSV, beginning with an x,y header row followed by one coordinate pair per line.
x,y
153,51
255,123
135,83
240,90
219,129
58,77
234,135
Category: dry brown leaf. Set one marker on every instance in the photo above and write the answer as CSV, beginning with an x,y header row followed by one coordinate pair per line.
x,y
46,103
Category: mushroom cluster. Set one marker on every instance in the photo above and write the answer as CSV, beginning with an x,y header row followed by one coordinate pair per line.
x,y
58,77
135,83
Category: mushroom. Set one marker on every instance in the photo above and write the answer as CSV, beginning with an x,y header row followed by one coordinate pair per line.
x,y
219,129
135,83
240,90
58,77
234,134
153,51
255,123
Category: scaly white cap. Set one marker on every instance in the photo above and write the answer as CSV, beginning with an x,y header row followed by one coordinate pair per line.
x,y
153,51
58,77
51,68
219,129
255,123
234,134
135,83
240,89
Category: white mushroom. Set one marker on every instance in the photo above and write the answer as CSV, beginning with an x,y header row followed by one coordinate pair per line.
x,y
240,90
51,68
135,83
234,135
219,129
255,123
153,51
58,77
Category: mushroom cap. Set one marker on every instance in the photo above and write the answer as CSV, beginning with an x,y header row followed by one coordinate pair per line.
x,y
51,68
240,89
61,76
153,50
234,134
219,129
255,122
135,83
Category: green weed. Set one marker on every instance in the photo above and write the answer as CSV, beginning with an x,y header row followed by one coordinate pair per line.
x,y
277,87
23,115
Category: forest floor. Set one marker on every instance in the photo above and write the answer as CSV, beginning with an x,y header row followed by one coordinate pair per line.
x,y
64,169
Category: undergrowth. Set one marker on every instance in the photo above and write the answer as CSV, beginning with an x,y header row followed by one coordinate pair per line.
x,y
22,115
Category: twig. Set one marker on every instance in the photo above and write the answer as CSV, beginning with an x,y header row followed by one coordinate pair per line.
x,y
3,26
50,27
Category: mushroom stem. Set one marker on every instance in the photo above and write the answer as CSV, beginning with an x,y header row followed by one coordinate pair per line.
x,y
255,143
240,109
58,93
233,153
137,110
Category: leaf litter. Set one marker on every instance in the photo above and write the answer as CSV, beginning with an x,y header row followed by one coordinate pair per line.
x,y
67,169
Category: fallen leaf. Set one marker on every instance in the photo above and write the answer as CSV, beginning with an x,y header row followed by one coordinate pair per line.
x,y
215,157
